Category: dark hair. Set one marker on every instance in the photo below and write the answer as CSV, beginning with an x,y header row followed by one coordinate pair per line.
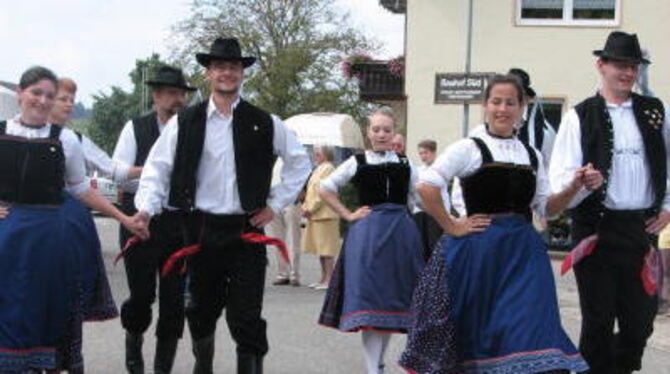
x,y
36,74
505,79
428,144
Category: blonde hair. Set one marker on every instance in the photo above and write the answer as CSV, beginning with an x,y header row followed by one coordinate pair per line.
x,y
68,85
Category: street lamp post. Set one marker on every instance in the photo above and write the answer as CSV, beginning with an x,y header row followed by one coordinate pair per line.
x,y
468,56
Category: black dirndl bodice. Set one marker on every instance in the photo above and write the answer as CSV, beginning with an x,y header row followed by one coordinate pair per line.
x,y
500,187
387,182
31,170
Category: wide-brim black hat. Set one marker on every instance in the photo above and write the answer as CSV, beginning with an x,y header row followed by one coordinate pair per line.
x,y
621,46
170,77
525,80
227,49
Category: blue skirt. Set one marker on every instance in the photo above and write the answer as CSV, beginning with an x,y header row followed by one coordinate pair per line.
x,y
376,273
51,280
487,304
93,300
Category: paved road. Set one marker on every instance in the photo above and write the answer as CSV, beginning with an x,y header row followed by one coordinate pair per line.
x,y
297,344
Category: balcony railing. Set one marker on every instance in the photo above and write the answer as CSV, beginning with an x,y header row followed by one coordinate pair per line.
x,y
376,83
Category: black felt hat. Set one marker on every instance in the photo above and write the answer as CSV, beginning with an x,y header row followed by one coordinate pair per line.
x,y
622,47
169,76
525,80
224,49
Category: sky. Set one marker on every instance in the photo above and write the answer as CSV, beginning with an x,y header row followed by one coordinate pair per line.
x,y
96,42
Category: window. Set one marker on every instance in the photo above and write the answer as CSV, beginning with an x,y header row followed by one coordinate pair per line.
x,y
568,12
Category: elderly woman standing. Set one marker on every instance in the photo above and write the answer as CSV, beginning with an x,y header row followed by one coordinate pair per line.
x,y
41,270
322,233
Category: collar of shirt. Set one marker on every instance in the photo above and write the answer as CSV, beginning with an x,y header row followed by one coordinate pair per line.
x,y
211,107
15,127
626,104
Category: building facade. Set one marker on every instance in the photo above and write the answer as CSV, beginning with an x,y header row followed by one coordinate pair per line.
x,y
552,40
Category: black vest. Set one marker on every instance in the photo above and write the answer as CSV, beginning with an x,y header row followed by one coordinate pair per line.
x,y
31,170
500,187
598,142
387,182
146,133
253,134
540,124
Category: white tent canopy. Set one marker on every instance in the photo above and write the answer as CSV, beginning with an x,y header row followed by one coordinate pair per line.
x,y
332,129
9,105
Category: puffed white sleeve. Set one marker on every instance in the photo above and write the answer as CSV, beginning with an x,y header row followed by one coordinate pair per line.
x,y
567,157
340,176
76,182
294,170
458,160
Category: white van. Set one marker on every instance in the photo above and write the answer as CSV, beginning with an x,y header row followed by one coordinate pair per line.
x,y
339,131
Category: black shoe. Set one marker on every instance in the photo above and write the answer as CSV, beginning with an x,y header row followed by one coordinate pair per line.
x,y
203,350
166,348
134,361
249,363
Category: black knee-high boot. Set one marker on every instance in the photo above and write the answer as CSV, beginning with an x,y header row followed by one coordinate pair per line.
x,y
134,361
166,348
203,350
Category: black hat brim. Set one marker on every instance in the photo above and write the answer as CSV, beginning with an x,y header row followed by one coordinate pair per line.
x,y
154,84
603,54
205,59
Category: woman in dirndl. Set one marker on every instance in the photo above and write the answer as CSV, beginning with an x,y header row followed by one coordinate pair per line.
x,y
486,303
48,273
381,257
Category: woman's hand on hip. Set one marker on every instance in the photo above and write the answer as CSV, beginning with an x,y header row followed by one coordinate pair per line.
x,y
468,225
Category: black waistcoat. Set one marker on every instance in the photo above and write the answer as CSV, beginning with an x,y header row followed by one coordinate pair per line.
x,y
540,124
597,144
31,170
500,187
146,133
253,134
387,182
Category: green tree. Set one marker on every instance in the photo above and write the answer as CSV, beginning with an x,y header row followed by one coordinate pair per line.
x,y
112,110
299,45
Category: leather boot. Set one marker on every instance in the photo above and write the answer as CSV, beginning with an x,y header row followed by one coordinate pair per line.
x,y
203,350
166,348
249,363
134,361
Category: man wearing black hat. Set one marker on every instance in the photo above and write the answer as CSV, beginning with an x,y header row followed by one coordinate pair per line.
x,y
144,260
214,160
623,135
535,129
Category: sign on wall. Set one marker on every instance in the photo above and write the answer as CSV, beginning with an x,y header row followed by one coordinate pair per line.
x,y
459,88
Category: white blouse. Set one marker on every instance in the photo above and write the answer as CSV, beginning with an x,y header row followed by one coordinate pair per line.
x,y
76,182
463,158
346,171
629,184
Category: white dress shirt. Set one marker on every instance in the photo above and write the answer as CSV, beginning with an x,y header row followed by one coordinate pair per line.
x,y
216,188
76,182
629,185
126,151
343,173
463,158
98,160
